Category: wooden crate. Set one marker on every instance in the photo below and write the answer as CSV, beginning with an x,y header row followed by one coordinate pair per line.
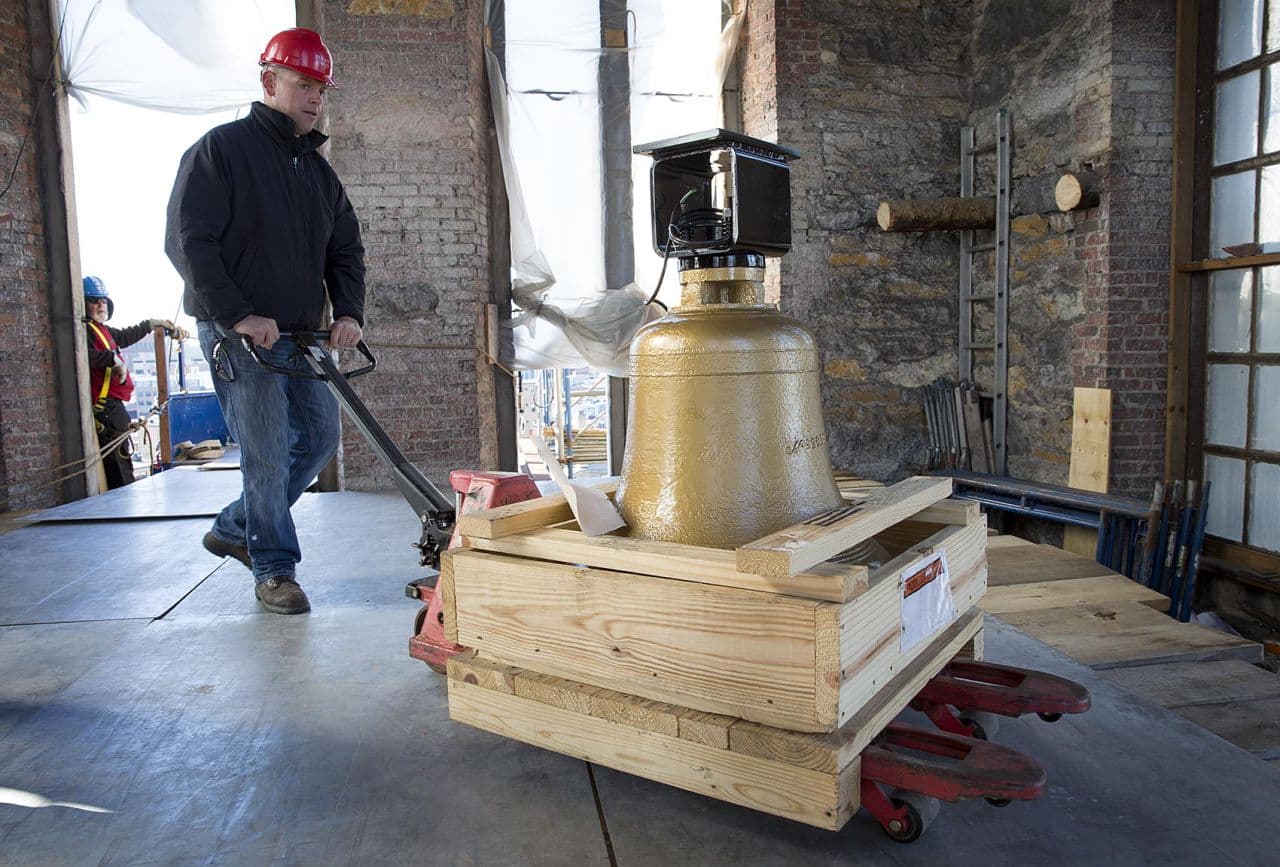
x,y
811,778
803,647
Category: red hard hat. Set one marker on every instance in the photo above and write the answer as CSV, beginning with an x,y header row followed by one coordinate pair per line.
x,y
303,51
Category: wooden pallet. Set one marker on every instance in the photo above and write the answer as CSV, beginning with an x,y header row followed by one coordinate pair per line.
x,y
803,647
811,778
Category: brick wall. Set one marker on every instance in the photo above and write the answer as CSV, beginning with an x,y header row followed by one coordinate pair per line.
x,y
28,422
408,138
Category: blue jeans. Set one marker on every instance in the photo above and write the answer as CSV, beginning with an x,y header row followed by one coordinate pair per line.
x,y
287,429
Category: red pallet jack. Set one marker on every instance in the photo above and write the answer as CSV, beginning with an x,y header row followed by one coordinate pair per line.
x,y
965,699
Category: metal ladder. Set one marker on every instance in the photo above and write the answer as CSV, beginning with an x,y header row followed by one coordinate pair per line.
x,y
999,346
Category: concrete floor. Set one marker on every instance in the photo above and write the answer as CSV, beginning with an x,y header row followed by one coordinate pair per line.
x,y
140,677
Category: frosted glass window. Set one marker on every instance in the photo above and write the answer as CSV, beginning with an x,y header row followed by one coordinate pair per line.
x,y
1271,108
1269,213
1266,408
1231,211
1264,506
1269,310
1226,497
1239,31
1226,409
1235,124
1273,26
1230,310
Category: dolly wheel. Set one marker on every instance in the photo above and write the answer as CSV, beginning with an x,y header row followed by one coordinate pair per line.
x,y
921,810
985,724
999,802
1050,717
437,668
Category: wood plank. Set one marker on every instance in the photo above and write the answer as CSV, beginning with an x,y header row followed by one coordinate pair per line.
x,y
527,515
1181,684
444,586
833,582
1002,541
671,641
871,625
711,729
807,544
1114,636
483,672
833,751
1090,458
1250,725
1019,564
1103,589
801,794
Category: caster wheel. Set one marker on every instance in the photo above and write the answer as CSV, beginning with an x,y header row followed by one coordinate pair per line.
x,y
1050,717
921,811
437,668
998,802
985,725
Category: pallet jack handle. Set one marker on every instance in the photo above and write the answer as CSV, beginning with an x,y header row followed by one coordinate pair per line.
x,y
434,509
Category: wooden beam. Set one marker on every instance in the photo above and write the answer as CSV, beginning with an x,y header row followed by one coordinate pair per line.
x,y
922,215
527,515
805,545
833,582
1090,459
1076,191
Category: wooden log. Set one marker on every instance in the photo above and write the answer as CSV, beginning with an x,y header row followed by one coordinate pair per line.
x,y
1077,190
922,215
805,545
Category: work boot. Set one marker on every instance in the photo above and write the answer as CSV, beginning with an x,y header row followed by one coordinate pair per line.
x,y
219,548
282,595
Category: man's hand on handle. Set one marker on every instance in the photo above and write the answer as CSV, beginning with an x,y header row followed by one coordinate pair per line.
x,y
261,330
345,333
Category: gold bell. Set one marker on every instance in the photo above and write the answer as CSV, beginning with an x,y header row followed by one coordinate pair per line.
x,y
725,437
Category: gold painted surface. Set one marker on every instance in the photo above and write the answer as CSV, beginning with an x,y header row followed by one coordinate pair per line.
x,y
726,441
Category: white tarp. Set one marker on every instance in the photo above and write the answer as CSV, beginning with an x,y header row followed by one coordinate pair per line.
x,y
189,57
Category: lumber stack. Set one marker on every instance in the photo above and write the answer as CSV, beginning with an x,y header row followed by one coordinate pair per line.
x,y
756,676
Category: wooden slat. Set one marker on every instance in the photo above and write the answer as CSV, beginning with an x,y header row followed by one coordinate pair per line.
x,y
805,545
835,750
1090,458
1103,589
1023,564
871,625
483,672
833,582
671,641
999,542
527,515
1250,725
711,729
1114,636
1181,684
797,793
444,586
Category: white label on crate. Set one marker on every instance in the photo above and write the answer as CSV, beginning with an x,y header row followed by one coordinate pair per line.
x,y
927,604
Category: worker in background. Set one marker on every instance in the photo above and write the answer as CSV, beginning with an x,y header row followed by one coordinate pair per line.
x,y
264,236
110,385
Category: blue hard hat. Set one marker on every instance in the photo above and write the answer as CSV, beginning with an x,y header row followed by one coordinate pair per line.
x,y
95,288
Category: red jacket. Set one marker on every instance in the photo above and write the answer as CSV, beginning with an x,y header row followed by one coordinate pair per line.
x,y
104,353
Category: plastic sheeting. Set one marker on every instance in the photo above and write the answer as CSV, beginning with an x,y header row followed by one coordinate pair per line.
x,y
547,111
189,57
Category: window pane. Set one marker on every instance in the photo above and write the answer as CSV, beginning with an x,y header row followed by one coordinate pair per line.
x,y
1239,31
1264,507
1226,496
1231,211
1230,310
1226,410
1266,410
1269,213
1273,26
1269,311
1271,104
1235,133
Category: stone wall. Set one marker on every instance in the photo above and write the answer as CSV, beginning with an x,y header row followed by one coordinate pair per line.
x,y
408,131
28,419
873,93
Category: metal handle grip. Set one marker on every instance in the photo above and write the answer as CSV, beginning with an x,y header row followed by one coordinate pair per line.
x,y
309,340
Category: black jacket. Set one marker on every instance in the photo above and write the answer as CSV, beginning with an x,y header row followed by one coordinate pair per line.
x,y
258,222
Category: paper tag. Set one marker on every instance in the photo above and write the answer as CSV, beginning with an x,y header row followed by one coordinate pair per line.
x,y
596,514
927,604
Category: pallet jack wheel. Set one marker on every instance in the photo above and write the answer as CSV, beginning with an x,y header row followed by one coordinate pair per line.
x,y
921,810
985,724
1050,717
998,802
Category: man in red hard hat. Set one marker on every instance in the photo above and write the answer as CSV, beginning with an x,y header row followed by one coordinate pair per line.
x,y
263,234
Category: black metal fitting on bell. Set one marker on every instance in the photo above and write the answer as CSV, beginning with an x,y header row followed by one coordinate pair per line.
x,y
720,199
